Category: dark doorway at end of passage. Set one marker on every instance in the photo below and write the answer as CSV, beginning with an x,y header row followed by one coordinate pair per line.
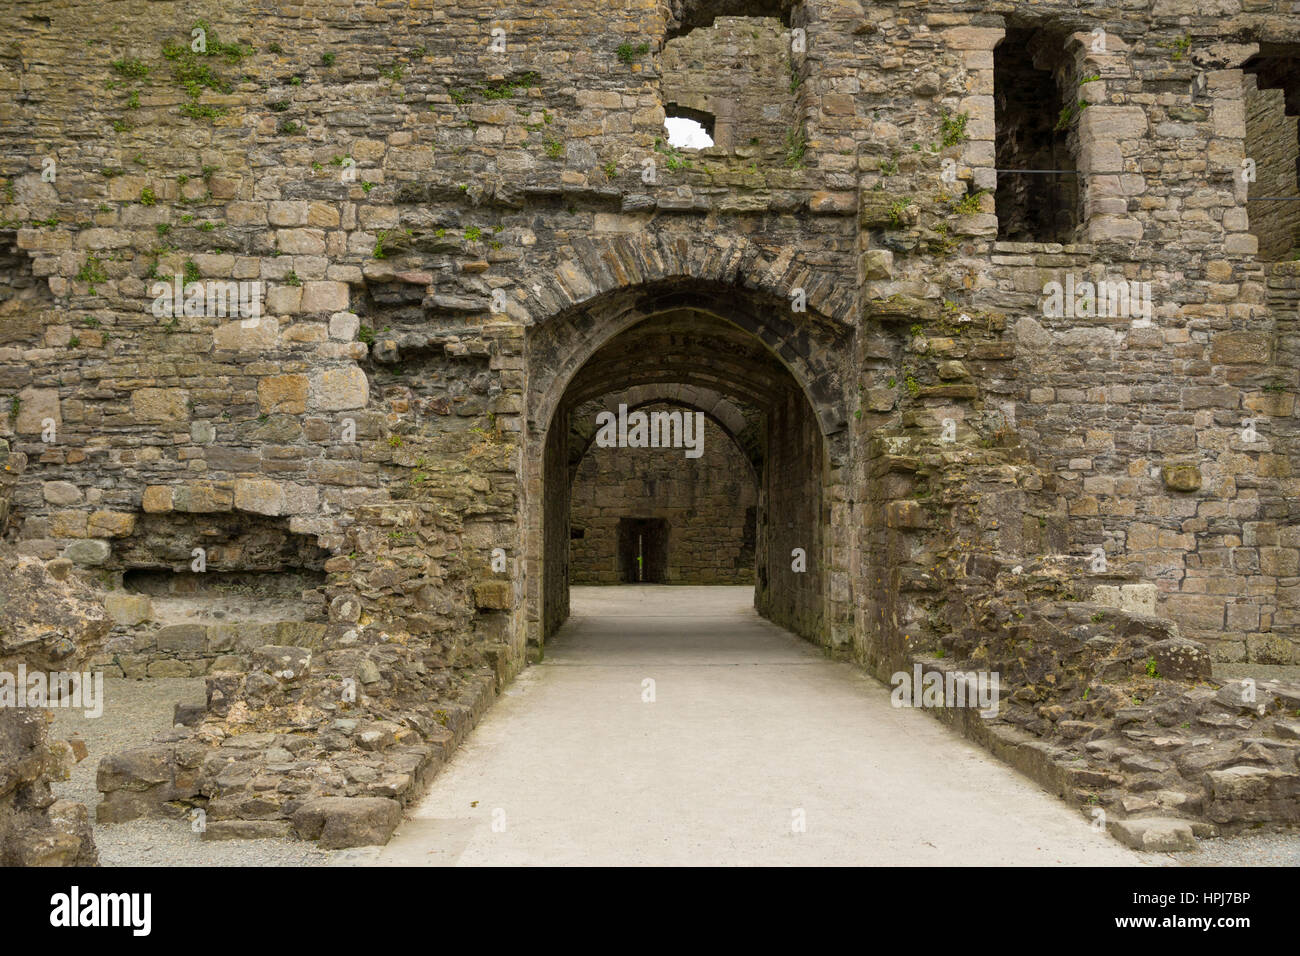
x,y
642,550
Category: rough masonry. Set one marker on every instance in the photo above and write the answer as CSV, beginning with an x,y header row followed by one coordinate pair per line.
x,y
352,512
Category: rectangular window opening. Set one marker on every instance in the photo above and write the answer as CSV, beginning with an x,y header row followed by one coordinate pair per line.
x,y
1037,195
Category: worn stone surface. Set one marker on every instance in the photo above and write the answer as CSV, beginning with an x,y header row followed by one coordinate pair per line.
x,y
702,510
339,822
49,623
1154,834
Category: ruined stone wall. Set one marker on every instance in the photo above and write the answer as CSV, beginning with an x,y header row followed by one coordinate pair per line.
x,y
448,228
549,596
1094,400
740,72
50,624
1282,532
709,504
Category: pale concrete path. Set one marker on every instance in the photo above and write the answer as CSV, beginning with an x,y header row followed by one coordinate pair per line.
x,y
748,725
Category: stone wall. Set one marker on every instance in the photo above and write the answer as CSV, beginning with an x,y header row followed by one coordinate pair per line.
x,y
741,73
1273,142
709,504
794,553
50,624
452,223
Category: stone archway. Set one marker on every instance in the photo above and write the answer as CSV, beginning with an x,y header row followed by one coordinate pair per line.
x,y
720,410
705,338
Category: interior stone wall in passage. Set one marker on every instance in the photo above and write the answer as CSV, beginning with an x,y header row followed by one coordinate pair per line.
x,y
708,503
1273,142
793,556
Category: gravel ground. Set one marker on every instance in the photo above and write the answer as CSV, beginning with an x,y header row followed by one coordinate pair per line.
x,y
135,710
1273,848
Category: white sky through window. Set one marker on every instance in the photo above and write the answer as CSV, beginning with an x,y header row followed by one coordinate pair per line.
x,y
686,133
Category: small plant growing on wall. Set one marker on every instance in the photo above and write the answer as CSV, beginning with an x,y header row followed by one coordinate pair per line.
x,y
954,128
1069,113
796,144
969,204
91,272
629,53
192,71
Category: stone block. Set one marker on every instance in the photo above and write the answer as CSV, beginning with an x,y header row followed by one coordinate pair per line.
x,y
161,405
138,770
1154,834
110,524
284,663
157,499
89,553
1181,477
246,830
1181,659
259,497
60,492
128,609
285,394
247,335
344,326
182,639
35,407
494,595
324,296
338,389
172,668
1237,348
1245,794
340,822
201,498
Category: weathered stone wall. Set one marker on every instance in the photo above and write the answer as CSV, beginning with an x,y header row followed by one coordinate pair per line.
x,y
794,553
50,623
1095,393
740,72
709,504
450,230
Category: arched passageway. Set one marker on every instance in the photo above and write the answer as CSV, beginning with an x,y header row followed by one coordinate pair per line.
x,y
676,445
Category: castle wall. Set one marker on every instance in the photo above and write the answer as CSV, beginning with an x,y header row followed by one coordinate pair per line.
x,y
449,211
